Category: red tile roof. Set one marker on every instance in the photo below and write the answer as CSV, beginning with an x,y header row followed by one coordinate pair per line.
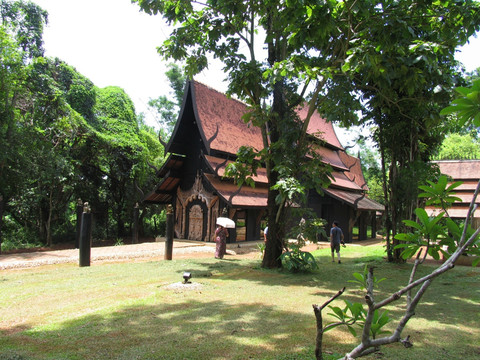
x,y
357,200
214,109
467,171
332,158
320,128
355,172
218,166
246,197
341,180
460,169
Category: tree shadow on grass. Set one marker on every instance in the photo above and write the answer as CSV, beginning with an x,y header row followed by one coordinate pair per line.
x,y
450,300
191,329
191,326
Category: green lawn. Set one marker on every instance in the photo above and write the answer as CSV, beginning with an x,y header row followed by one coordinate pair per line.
x,y
127,311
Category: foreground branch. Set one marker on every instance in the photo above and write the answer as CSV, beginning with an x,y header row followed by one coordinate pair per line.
x,y
320,329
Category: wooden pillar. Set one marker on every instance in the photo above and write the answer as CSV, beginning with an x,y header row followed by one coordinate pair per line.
x,y
1,221
85,237
362,227
79,212
169,234
136,212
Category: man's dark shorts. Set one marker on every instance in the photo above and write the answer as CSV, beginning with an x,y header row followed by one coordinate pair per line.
x,y
335,247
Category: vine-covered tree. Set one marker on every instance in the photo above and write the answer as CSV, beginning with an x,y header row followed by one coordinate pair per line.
x,y
62,139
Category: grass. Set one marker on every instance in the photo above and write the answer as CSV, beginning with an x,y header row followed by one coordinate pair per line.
x,y
127,311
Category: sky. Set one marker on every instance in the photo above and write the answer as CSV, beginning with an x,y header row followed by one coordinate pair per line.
x,y
114,44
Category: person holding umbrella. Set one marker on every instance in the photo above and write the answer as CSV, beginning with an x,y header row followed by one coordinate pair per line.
x,y
221,234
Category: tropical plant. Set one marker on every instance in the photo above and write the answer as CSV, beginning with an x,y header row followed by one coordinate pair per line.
x,y
467,105
429,236
296,260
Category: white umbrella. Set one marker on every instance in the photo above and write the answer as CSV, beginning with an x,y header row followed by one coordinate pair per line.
x,y
226,222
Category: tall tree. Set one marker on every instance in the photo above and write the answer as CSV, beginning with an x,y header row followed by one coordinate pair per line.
x,y
308,44
21,31
167,108
25,21
403,69
222,28
50,131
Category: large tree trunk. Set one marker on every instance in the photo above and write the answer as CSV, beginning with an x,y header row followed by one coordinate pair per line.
x,y
276,212
275,235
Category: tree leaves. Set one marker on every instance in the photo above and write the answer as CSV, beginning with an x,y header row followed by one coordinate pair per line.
x,y
467,106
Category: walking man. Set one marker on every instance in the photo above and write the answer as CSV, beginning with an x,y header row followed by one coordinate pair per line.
x,y
336,238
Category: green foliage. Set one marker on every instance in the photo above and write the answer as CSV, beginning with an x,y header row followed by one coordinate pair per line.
x,y
349,315
467,106
380,319
62,139
244,167
296,260
435,233
355,314
25,21
167,108
261,247
309,228
459,147
361,279
439,193
429,233
394,67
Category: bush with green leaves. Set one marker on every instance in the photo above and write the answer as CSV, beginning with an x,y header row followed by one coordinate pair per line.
x,y
430,235
438,234
296,260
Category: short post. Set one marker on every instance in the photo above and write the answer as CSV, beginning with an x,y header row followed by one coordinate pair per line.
x,y
79,212
1,220
136,212
85,237
169,234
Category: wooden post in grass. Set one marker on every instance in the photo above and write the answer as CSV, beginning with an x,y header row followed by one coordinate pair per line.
x,y
169,234
85,237
1,220
79,212
136,212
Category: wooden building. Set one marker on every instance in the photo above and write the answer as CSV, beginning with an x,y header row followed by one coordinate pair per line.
x,y
208,133
468,172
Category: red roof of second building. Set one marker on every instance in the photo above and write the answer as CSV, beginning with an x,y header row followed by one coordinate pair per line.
x,y
460,169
